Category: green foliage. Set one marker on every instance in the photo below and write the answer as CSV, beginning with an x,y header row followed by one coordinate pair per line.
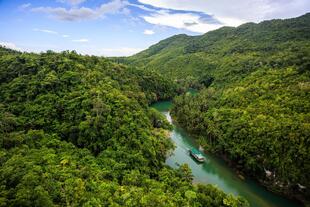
x,y
77,131
229,53
256,110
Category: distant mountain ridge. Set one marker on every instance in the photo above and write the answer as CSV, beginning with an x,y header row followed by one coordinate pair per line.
x,y
183,55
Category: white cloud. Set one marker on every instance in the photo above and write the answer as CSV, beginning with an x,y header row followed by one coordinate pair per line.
x,y
112,7
24,6
51,32
123,51
91,50
142,7
81,40
109,52
83,13
45,31
68,14
10,45
188,21
237,12
148,32
125,11
72,2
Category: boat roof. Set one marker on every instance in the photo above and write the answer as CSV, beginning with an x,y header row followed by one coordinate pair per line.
x,y
195,151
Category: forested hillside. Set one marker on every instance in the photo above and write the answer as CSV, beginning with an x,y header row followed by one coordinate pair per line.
x,y
77,131
229,53
255,105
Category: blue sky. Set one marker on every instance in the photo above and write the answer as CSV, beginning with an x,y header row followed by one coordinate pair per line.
x,y
124,27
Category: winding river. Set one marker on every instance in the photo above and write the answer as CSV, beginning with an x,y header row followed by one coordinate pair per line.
x,y
215,171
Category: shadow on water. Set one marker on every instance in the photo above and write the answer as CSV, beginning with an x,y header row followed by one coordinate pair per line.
x,y
215,171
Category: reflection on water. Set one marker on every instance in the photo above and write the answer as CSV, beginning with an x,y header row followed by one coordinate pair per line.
x,y
215,171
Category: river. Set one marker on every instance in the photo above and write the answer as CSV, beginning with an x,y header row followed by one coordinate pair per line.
x,y
215,171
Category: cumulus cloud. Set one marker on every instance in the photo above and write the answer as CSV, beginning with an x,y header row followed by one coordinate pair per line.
x,y
68,14
188,21
148,32
83,13
10,45
81,40
239,11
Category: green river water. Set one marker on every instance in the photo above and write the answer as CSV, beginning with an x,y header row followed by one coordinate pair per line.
x,y
215,171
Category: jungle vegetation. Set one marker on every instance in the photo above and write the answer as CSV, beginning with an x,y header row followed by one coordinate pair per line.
x,y
78,131
254,103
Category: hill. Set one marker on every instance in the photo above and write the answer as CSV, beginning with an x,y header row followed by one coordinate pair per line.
x,y
77,131
254,106
228,51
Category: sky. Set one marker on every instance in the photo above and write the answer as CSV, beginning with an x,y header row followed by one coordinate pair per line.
x,y
125,27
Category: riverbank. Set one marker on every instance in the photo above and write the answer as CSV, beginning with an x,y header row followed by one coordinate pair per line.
x,y
216,171
267,184
242,174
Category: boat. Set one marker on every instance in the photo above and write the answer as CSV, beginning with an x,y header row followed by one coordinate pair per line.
x,y
197,155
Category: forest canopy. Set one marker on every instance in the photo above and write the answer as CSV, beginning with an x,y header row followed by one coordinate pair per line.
x,y
254,102
77,131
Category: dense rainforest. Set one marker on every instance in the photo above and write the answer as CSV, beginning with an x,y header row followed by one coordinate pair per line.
x,y
254,104
77,131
